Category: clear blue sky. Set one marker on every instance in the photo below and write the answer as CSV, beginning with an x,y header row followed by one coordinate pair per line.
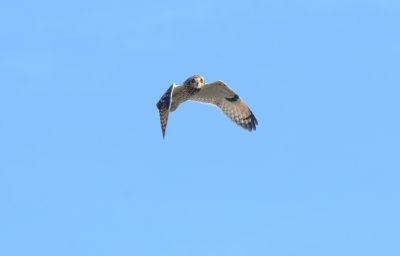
x,y
83,166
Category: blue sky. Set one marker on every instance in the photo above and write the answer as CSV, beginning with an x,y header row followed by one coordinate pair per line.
x,y
84,168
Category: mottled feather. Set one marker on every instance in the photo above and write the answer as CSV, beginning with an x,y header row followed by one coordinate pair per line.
x,y
164,105
220,95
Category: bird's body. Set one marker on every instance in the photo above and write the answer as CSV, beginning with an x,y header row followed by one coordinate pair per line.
x,y
217,93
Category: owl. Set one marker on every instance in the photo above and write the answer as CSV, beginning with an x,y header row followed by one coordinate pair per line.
x,y
216,93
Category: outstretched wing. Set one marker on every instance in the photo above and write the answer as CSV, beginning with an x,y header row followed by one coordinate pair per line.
x,y
220,95
164,105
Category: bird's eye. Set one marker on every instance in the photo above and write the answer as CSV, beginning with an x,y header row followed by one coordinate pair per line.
x,y
193,81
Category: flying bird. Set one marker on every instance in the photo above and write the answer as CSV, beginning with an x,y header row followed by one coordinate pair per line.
x,y
216,93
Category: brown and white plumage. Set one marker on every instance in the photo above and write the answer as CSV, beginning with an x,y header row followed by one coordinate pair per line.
x,y
216,93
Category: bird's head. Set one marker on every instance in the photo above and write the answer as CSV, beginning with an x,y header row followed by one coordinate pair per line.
x,y
195,81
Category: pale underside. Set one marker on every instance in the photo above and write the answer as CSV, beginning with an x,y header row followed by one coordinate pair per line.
x,y
217,94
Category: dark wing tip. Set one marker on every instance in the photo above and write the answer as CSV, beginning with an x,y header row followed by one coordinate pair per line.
x,y
163,120
250,122
254,121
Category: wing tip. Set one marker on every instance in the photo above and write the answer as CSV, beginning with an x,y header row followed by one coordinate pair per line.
x,y
251,126
163,129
